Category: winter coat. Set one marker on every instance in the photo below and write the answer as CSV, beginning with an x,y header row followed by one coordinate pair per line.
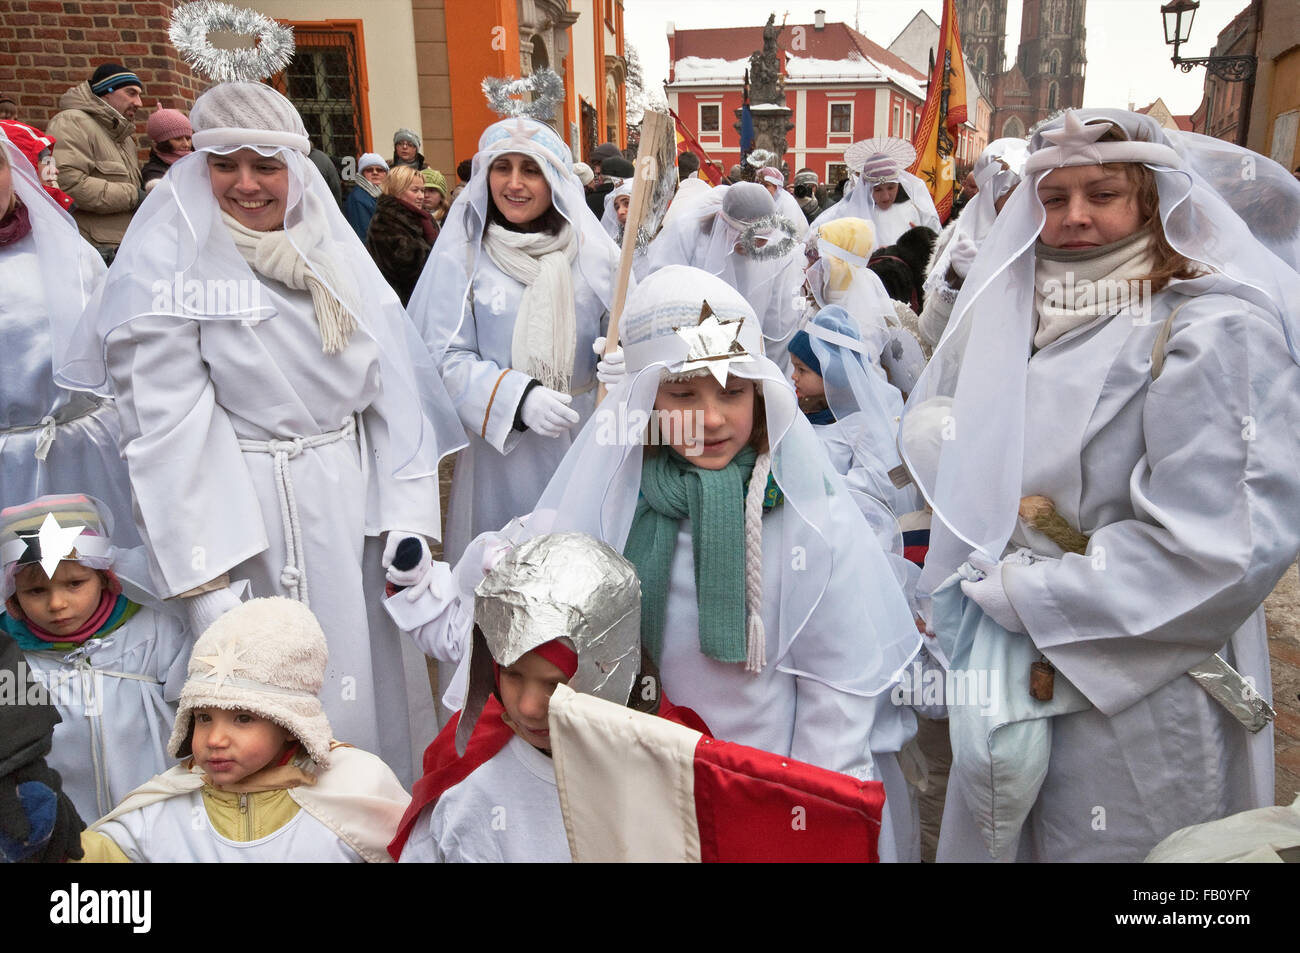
x,y
397,243
153,170
96,154
359,209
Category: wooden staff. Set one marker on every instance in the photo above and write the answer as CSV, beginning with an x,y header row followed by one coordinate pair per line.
x,y
652,190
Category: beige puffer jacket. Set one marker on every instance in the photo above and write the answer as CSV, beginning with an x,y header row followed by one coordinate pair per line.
x,y
96,154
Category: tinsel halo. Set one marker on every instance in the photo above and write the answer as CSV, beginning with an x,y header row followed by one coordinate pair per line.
x,y
772,250
761,159
192,22
504,96
882,156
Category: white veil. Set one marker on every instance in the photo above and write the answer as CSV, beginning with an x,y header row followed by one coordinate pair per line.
x,y
178,259
981,362
596,487
70,269
996,171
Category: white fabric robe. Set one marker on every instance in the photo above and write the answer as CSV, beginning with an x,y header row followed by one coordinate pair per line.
x,y
188,391
506,811
789,715
117,698
1187,486
503,471
84,457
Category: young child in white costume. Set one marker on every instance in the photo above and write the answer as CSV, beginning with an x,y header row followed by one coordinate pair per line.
x,y
557,609
1140,363
111,656
262,781
279,413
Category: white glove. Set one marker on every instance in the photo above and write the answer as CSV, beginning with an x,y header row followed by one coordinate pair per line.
x,y
611,368
989,595
425,576
962,255
206,608
547,412
493,552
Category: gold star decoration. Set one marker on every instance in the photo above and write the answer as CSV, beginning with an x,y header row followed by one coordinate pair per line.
x,y
224,664
713,344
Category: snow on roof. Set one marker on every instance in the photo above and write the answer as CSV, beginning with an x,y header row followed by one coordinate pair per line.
x,y
702,71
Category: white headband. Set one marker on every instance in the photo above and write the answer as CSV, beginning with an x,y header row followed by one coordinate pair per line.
x,y
209,138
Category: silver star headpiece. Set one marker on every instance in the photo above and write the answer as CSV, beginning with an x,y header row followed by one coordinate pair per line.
x,y
714,345
50,545
1077,143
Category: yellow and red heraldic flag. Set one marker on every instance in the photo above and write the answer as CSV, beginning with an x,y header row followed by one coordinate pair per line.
x,y
945,110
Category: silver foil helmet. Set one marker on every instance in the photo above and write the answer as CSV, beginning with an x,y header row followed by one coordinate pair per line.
x,y
560,585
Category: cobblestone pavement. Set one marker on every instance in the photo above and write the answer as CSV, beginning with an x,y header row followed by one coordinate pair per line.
x,y
1283,611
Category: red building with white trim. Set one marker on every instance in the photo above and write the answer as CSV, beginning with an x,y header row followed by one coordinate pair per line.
x,y
839,85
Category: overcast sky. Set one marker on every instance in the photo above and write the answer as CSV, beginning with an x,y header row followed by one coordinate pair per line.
x,y
1128,60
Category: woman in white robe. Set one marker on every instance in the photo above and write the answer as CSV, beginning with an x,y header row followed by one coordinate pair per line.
x,y
51,440
468,309
1154,399
738,234
278,412
883,191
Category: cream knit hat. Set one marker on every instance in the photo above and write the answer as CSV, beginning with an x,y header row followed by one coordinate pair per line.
x,y
266,656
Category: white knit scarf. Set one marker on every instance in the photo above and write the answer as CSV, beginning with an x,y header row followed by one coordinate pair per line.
x,y
546,329
273,255
1072,288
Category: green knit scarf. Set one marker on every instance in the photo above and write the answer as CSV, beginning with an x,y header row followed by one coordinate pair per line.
x,y
673,489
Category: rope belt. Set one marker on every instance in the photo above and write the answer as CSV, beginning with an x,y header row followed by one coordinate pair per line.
x,y
294,574
48,427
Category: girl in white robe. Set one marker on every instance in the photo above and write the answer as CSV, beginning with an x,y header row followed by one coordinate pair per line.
x,y
1160,422
826,627
116,676
279,413
507,312
51,440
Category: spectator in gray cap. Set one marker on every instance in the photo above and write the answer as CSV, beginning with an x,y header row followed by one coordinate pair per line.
x,y
406,150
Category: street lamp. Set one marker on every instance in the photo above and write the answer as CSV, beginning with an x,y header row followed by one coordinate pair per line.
x,y
1231,69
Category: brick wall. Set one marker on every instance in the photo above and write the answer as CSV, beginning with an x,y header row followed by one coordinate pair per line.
x,y
48,46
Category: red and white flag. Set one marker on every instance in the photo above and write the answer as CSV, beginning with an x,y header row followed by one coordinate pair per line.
x,y
634,787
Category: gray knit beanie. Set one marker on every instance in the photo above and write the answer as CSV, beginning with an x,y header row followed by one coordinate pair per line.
x,y
247,114
408,135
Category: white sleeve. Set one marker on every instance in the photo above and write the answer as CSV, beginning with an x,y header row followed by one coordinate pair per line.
x,y
195,502
486,395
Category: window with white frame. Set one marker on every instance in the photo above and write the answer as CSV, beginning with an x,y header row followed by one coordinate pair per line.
x,y
835,173
907,123
711,121
895,125
841,119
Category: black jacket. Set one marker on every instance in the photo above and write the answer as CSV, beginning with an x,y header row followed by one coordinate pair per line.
x,y
398,242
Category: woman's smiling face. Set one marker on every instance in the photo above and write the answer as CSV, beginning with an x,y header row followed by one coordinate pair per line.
x,y
519,187
251,188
